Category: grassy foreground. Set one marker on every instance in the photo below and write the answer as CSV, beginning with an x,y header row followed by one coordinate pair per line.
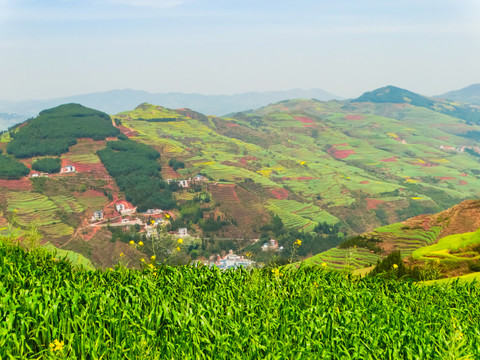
x,y
49,309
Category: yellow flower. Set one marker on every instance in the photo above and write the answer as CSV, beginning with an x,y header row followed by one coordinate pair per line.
x,y
167,216
15,210
3,229
140,243
154,274
151,266
153,257
178,249
56,345
132,242
152,222
395,266
324,264
298,242
142,260
122,254
180,241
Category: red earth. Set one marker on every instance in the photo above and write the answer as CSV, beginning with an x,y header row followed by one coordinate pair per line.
x,y
126,131
365,182
341,154
462,182
354,117
463,174
304,120
280,194
298,178
231,124
446,177
372,203
390,159
21,184
244,159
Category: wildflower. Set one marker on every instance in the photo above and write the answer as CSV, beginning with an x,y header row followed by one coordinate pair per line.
x,y
324,264
56,345
167,216
122,254
132,242
142,260
15,210
395,266
154,274
298,242
3,229
151,266
152,222
140,243
180,241
178,249
153,257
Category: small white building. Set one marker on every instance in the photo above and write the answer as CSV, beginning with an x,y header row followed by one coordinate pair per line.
x,y
182,232
97,215
184,183
68,169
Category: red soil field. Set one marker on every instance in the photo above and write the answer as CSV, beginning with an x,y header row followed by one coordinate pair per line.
x,y
298,178
244,159
230,125
126,131
342,154
372,203
354,117
21,184
365,182
304,120
446,177
390,159
463,174
463,182
280,194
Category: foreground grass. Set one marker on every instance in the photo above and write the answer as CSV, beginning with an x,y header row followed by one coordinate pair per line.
x,y
50,310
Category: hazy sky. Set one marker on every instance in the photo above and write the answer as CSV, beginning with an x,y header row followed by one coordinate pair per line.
x,y
54,48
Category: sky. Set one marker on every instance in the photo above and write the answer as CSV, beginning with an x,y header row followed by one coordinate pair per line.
x,y
57,48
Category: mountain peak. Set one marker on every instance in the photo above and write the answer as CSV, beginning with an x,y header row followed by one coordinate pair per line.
x,y
396,95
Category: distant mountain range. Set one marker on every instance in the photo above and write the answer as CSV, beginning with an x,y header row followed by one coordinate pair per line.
x,y
8,119
115,101
469,94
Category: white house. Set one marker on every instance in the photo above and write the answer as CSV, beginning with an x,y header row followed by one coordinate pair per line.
x,y
182,232
68,169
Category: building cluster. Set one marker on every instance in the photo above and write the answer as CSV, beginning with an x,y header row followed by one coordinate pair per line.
x,y
231,261
460,148
185,183
271,245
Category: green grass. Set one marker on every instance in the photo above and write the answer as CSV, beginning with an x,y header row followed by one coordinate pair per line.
x,y
74,258
188,312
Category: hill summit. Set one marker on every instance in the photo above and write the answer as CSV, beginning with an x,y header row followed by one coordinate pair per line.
x,y
393,94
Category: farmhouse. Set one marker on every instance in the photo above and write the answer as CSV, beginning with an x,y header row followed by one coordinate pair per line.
x,y
34,174
232,261
68,169
182,232
97,215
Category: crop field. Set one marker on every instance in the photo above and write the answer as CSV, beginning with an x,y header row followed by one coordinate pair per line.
x,y
344,259
32,208
189,312
67,203
74,258
451,248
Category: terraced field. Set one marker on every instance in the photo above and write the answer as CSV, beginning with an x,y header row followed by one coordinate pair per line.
x,y
344,259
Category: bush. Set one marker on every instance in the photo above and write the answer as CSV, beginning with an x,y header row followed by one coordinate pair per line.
x,y
48,165
11,169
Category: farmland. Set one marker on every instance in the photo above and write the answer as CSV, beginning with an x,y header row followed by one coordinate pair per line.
x,y
191,312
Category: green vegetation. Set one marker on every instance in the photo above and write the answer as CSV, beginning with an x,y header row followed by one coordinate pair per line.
x,y
11,169
392,94
48,165
362,241
135,168
54,130
52,310
175,164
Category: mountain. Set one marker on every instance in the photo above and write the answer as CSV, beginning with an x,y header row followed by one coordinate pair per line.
x,y
115,101
9,119
395,95
296,169
469,94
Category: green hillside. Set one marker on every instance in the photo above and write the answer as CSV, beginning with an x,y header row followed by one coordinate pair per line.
x,y
52,310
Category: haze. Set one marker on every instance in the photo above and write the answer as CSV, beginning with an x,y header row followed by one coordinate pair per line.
x,y
56,48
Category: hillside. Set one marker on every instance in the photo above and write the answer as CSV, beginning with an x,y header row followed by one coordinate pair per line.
x,y
469,94
52,310
297,169
447,243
